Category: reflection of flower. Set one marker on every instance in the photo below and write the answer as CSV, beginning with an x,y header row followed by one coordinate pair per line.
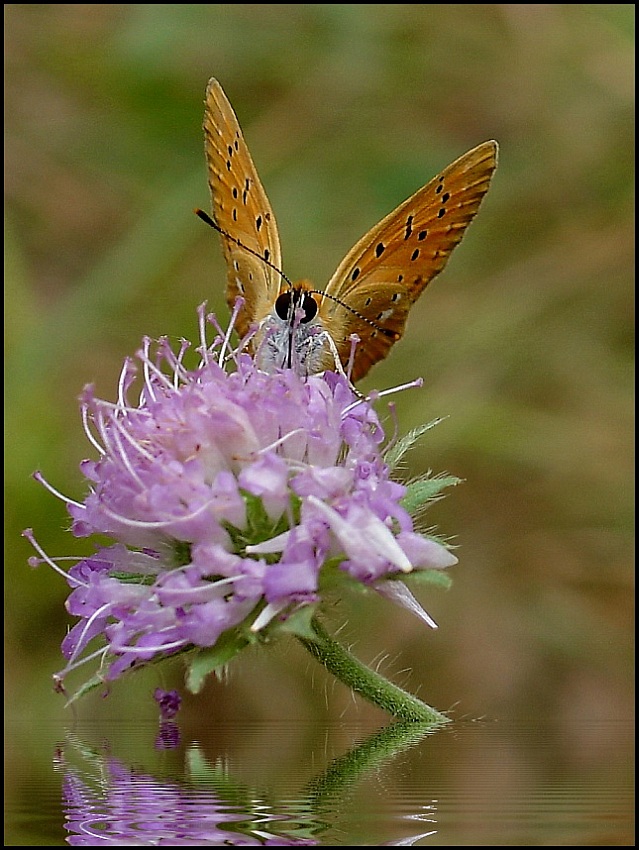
x,y
108,802
169,704
235,500
130,807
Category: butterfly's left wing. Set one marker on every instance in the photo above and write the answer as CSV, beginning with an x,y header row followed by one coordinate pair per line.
x,y
382,276
241,209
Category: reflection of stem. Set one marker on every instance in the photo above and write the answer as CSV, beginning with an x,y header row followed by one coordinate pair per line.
x,y
346,769
371,685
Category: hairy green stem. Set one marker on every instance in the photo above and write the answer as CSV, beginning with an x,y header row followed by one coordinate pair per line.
x,y
371,685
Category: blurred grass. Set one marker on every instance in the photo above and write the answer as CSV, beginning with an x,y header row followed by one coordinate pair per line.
x,y
525,342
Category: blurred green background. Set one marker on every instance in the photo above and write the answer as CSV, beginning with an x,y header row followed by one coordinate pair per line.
x,y
525,342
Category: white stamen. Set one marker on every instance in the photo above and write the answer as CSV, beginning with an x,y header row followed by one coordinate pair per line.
x,y
239,303
143,650
281,440
87,430
244,343
136,445
123,456
41,480
125,373
103,651
149,367
208,590
338,363
173,360
416,383
354,339
28,533
144,357
98,613
202,350
179,371
146,524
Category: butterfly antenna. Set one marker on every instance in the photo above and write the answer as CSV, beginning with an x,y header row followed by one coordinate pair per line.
x,y
212,223
355,312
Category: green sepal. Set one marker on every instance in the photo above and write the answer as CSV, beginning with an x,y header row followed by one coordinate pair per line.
x,y
213,658
393,456
91,684
435,578
134,578
424,490
299,624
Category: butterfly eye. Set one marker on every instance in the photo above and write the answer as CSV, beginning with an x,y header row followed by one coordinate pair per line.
x,y
283,305
302,300
309,305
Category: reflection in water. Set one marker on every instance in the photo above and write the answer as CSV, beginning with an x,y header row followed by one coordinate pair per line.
x,y
134,808
108,801
473,783
117,804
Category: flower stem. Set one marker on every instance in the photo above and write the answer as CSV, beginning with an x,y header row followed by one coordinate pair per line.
x,y
366,682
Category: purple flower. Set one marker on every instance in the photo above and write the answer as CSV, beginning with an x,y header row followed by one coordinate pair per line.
x,y
168,702
226,492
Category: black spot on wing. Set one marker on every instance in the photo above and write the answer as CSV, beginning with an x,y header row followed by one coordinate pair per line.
x,y
409,227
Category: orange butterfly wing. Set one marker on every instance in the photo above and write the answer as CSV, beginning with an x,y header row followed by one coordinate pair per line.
x,y
386,271
241,208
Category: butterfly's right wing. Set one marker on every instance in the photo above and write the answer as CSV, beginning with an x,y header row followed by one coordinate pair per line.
x,y
383,275
241,209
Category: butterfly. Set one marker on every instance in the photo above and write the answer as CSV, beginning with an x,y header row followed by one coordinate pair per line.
x,y
362,312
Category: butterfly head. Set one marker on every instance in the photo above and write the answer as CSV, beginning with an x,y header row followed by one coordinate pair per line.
x,y
292,336
297,305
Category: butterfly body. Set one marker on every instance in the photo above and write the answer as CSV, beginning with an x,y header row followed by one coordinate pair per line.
x,y
373,289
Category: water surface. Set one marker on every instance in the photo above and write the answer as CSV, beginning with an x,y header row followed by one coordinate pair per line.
x,y
476,783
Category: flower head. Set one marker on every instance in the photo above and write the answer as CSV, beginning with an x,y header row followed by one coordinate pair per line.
x,y
231,497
